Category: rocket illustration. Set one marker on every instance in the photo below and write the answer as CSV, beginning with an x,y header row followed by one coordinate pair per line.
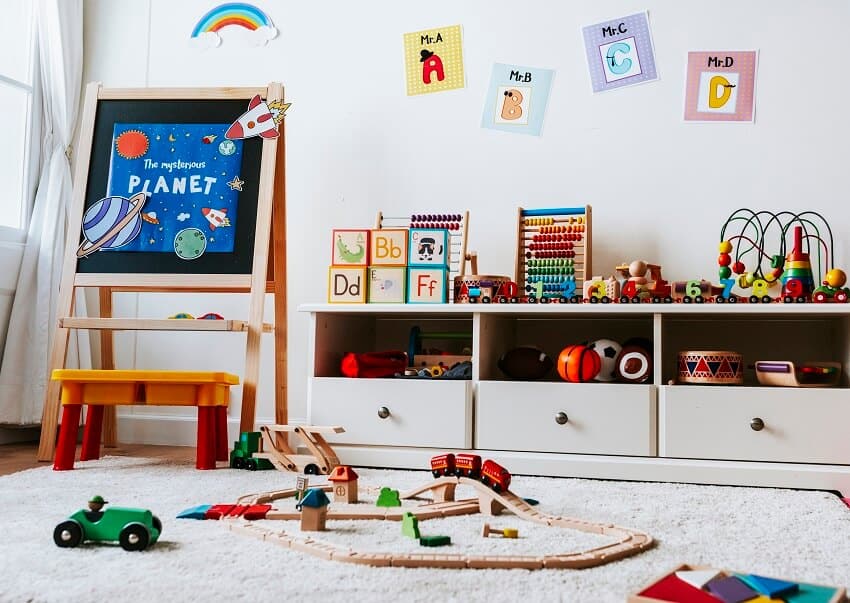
x,y
260,119
216,217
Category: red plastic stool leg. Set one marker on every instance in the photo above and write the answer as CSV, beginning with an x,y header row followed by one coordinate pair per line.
x,y
222,451
91,433
206,438
67,446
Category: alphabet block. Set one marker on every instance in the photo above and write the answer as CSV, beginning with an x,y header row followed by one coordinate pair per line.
x,y
428,247
386,284
427,285
389,247
346,285
350,247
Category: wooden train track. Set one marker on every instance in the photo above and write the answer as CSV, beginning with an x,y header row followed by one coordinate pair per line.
x,y
628,541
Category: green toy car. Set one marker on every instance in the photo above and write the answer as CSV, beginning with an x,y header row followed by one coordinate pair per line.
x,y
134,529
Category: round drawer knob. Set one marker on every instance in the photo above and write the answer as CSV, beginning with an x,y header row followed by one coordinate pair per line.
x,y
561,418
756,424
383,412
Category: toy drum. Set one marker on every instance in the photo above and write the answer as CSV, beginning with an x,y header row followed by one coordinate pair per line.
x,y
711,367
482,288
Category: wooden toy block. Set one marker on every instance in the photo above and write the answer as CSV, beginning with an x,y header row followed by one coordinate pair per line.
x,y
350,247
486,530
410,525
388,247
427,285
387,284
428,247
698,578
730,589
346,285
770,586
435,540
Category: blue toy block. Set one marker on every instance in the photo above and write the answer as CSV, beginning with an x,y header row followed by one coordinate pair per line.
x,y
428,247
198,512
771,586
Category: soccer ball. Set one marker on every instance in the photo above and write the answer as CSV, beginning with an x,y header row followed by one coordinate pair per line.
x,y
608,351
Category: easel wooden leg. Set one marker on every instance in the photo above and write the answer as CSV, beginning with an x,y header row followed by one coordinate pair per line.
x,y
107,362
281,402
50,412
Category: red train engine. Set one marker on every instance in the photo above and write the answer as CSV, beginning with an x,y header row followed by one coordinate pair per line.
x,y
469,465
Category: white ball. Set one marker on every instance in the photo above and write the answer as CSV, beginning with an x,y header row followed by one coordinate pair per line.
x,y
608,351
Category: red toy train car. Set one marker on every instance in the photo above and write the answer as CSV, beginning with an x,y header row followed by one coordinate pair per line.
x,y
469,465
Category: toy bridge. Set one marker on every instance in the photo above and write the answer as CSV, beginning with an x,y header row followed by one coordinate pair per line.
x,y
321,460
627,541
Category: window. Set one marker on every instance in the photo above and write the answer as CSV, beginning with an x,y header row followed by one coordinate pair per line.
x,y
16,112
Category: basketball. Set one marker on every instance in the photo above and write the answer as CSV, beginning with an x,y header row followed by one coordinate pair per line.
x,y
578,363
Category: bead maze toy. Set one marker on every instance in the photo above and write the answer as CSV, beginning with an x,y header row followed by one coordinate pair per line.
x,y
789,264
553,251
786,374
489,500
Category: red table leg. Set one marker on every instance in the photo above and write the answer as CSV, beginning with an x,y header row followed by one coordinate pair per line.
x,y
91,433
67,446
222,450
206,438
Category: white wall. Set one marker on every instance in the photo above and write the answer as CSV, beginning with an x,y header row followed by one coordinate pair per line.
x,y
660,188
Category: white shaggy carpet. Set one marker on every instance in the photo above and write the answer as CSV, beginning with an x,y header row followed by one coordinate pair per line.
x,y
782,533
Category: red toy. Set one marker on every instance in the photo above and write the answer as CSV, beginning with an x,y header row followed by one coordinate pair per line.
x,y
495,476
469,465
578,364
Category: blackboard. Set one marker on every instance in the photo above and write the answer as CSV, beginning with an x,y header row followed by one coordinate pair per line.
x,y
110,116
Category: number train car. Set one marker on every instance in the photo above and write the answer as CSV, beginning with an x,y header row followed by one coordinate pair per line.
x,y
489,473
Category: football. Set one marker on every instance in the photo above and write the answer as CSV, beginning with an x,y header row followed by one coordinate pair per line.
x,y
608,351
525,363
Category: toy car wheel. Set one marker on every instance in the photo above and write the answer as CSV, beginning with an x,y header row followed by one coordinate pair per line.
x,y
733,299
840,297
68,534
251,464
311,469
575,299
668,300
485,480
606,299
699,299
801,299
503,300
720,300
134,537
819,297
754,299
788,299
485,299
238,463
766,299
624,299
686,299
496,487
636,300
157,524
514,300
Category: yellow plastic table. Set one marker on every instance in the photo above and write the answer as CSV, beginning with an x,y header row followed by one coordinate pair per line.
x,y
209,391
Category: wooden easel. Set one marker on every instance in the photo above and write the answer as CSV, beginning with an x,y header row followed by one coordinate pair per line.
x,y
268,273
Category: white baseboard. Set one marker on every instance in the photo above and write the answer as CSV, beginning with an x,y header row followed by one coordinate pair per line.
x,y
169,430
16,435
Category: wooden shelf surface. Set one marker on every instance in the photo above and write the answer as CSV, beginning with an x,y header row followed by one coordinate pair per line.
x,y
156,324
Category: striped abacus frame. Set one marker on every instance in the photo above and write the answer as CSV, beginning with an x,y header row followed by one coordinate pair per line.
x,y
553,251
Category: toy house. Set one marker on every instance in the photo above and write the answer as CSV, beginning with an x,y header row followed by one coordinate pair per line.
x,y
344,479
314,510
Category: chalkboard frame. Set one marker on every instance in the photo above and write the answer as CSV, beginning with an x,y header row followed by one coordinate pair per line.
x,y
177,111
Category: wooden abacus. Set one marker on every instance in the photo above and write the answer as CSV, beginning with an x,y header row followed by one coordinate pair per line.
x,y
456,224
553,251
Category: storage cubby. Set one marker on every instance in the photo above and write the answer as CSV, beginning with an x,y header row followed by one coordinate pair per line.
x,y
721,434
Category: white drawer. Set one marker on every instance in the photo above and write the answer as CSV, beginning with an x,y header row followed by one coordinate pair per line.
x,y
800,425
422,412
602,418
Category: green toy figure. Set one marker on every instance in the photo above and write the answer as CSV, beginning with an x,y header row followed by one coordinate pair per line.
x,y
388,498
95,505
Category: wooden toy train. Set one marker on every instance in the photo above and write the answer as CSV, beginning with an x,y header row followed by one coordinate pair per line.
x,y
489,472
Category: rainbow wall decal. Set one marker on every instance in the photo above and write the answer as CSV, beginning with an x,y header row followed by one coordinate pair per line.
x,y
240,14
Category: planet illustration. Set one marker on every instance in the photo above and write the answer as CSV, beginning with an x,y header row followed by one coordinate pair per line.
x,y
110,223
227,147
190,243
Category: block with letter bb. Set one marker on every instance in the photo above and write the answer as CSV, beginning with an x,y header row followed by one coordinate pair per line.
x,y
388,247
386,284
428,247
350,247
346,285
427,285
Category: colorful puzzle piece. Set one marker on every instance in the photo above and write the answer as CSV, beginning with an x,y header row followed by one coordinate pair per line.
x,y
771,586
199,512
697,578
670,588
388,498
731,590
410,525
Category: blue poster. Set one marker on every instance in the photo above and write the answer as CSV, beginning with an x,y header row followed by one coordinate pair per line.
x,y
190,174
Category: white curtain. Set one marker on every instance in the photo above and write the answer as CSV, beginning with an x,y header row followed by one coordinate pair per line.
x,y
23,372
